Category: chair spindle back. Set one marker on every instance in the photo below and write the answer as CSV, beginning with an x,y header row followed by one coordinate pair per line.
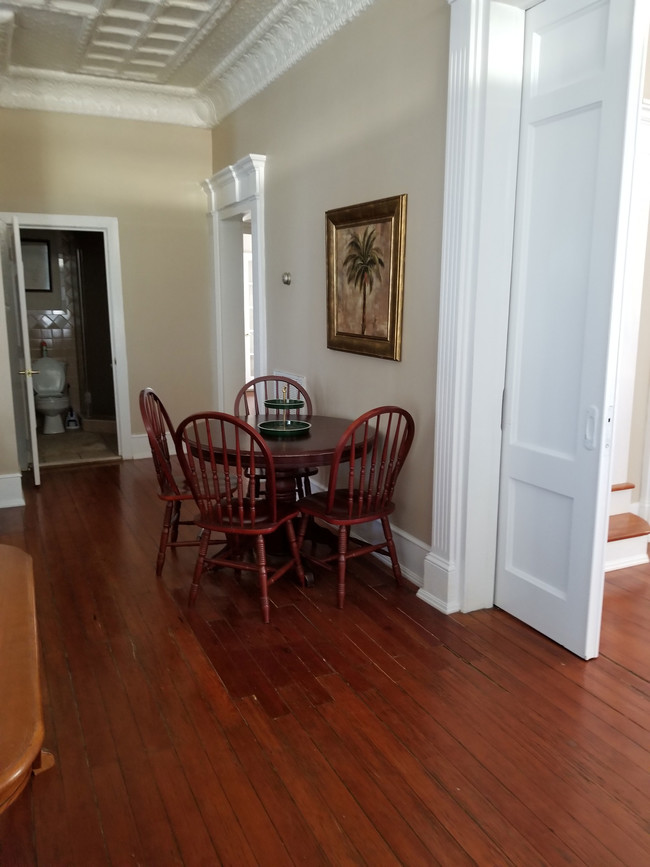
x,y
271,388
219,453
380,440
157,425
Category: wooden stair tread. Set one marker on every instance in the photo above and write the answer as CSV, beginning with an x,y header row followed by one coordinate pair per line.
x,y
626,526
623,486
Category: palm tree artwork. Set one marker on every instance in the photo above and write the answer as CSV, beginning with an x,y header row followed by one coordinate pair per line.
x,y
362,264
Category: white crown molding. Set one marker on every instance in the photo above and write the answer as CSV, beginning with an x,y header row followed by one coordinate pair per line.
x,y
307,24
103,97
7,24
303,25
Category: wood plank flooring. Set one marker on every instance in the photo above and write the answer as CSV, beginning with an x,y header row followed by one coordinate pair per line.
x,y
383,734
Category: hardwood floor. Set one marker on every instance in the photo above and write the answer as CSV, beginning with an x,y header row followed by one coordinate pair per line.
x,y
382,734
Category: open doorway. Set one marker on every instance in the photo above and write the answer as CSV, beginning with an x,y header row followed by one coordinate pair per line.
x,y
237,210
69,321
93,248
249,300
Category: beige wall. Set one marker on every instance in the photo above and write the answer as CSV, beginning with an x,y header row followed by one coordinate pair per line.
x,y
148,176
361,118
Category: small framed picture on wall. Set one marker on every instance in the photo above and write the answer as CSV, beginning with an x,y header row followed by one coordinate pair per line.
x,y
36,266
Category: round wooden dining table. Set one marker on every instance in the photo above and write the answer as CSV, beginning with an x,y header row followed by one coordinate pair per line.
x,y
313,448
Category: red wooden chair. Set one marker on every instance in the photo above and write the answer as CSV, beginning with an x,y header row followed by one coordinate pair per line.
x,y
360,490
250,401
270,388
173,489
217,452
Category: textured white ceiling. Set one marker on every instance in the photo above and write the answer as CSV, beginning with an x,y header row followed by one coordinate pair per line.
x,y
179,61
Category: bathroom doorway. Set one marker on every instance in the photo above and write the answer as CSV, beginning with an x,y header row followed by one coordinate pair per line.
x,y
69,321
84,253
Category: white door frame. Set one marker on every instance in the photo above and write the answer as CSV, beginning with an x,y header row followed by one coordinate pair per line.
x,y
234,191
633,298
482,147
642,178
108,226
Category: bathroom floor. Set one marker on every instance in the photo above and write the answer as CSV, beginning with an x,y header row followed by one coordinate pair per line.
x,y
76,447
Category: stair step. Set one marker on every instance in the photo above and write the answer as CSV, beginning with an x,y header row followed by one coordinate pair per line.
x,y
623,486
626,526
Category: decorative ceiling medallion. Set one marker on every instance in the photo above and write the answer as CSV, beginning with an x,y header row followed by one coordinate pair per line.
x,y
130,69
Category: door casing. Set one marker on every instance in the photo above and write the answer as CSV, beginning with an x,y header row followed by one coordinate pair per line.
x,y
485,67
233,192
108,226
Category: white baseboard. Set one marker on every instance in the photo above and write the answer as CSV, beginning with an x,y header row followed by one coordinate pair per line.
x,y
442,584
411,552
436,602
140,446
11,491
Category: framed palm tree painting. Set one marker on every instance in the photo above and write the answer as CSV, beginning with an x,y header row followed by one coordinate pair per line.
x,y
365,277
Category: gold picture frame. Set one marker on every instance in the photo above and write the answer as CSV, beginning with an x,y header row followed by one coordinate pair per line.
x,y
365,277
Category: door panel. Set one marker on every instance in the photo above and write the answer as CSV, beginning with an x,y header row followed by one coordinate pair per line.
x,y
21,360
555,449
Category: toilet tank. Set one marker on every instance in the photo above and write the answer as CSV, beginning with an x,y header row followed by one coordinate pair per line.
x,y
50,378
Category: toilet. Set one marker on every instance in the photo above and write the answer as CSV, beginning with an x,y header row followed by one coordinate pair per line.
x,y
51,395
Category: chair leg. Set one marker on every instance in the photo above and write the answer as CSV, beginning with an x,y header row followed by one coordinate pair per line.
x,y
164,537
397,572
175,519
295,552
343,547
302,530
260,549
198,568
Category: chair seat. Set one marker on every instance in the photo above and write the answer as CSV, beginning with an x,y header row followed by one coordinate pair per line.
x,y
264,522
172,491
217,451
316,506
183,492
263,388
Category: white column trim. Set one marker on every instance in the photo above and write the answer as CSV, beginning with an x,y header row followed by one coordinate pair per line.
x,y
239,188
642,176
485,37
486,45
463,143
